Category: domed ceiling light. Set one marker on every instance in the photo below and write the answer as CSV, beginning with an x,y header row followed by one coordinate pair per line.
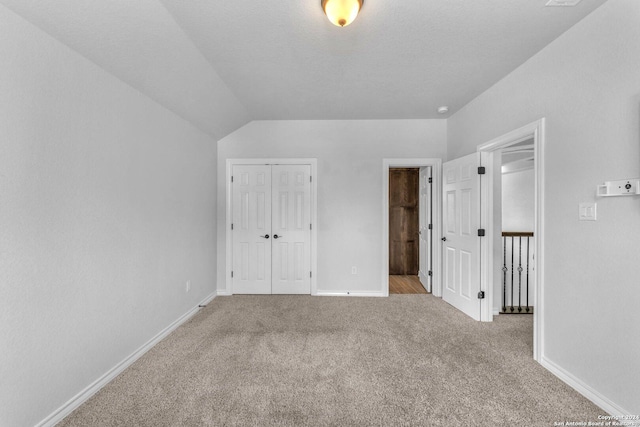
x,y
341,12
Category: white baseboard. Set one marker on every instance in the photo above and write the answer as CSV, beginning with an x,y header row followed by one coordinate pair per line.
x,y
587,391
350,294
223,292
77,400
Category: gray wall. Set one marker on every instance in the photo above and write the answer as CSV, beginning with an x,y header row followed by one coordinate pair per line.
x,y
107,208
518,197
587,85
349,180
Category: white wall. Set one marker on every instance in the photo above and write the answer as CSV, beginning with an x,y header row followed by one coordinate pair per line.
x,y
518,197
349,180
107,207
587,85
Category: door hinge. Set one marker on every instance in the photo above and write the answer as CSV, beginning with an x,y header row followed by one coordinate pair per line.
x,y
310,226
310,178
481,295
430,180
481,170
481,232
310,275
232,274
231,178
232,226
430,226
430,273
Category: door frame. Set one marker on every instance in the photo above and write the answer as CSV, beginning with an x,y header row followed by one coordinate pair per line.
x,y
488,151
313,163
436,171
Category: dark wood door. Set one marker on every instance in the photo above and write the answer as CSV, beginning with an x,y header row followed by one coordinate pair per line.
x,y
403,221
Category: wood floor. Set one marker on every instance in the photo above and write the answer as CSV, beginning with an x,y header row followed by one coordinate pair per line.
x,y
406,285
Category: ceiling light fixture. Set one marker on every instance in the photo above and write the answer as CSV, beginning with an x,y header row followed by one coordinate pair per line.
x,y
342,12
443,110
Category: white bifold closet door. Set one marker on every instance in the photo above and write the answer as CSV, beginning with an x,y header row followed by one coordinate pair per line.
x,y
271,220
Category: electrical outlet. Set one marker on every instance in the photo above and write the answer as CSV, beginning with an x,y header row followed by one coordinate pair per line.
x,y
354,270
187,287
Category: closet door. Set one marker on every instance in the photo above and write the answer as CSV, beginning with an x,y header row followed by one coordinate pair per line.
x,y
271,220
291,227
251,213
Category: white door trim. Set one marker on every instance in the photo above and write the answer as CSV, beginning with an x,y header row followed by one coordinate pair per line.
x,y
436,165
535,130
314,214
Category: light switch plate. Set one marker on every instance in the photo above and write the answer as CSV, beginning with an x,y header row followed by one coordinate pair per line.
x,y
588,211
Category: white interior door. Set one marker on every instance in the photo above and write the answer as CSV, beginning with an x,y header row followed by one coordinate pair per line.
x,y
291,221
271,227
461,221
251,213
425,249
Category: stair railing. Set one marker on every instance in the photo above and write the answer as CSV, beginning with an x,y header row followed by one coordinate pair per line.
x,y
512,242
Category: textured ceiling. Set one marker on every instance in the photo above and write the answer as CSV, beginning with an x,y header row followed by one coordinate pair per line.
x,y
140,43
398,59
221,63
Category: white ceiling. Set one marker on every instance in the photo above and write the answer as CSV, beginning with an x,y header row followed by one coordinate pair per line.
x,y
222,63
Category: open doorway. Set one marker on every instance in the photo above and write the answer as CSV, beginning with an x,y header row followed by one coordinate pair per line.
x,y
407,214
419,243
526,145
517,188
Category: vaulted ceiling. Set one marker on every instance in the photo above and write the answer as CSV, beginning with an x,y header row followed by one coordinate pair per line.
x,y
220,64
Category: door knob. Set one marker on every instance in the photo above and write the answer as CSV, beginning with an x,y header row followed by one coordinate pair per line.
x,y
266,236
275,236
444,239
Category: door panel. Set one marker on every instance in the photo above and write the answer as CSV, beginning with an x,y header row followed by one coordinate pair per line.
x,y
292,219
425,214
450,269
461,196
403,221
465,273
251,218
450,208
465,212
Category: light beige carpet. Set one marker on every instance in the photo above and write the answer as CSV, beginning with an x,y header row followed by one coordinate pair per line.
x,y
301,360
